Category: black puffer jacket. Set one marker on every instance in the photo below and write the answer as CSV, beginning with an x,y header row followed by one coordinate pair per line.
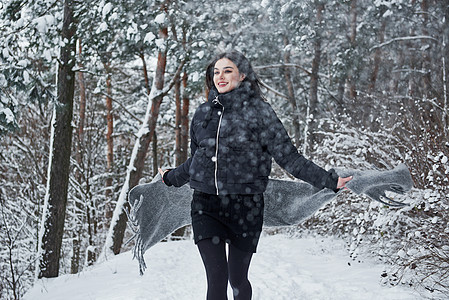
x,y
234,137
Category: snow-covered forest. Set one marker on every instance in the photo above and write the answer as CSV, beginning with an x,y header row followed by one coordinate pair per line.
x,y
96,95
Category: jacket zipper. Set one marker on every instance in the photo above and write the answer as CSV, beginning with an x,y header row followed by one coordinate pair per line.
x,y
216,142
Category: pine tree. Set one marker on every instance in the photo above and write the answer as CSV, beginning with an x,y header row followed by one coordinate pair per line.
x,y
59,165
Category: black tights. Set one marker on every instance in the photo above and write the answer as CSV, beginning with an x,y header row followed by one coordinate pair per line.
x,y
219,269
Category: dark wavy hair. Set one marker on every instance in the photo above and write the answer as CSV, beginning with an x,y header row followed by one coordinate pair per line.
x,y
244,67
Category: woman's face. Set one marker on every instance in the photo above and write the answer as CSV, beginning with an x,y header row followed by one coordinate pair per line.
x,y
226,75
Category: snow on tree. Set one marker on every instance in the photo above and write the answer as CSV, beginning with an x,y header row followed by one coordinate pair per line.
x,y
53,217
400,113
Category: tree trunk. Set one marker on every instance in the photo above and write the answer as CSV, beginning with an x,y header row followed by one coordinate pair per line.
x,y
346,83
154,152
178,119
76,238
110,143
377,57
396,76
313,97
89,206
59,160
446,69
412,87
426,61
82,112
76,255
145,139
185,108
341,92
181,131
291,94
185,120
145,71
118,224
91,228
351,79
147,87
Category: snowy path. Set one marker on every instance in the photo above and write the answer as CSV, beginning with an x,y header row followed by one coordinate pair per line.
x,y
283,268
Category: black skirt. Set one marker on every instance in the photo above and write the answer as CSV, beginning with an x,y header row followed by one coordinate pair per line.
x,y
235,219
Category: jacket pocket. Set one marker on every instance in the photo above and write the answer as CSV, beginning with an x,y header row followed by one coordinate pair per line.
x,y
202,167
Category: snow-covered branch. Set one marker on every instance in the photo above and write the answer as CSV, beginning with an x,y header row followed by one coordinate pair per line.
x,y
273,90
166,90
283,66
403,38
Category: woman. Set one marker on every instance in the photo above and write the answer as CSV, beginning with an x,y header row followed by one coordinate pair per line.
x,y
234,136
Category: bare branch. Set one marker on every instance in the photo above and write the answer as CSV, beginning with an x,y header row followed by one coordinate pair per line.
x,y
122,106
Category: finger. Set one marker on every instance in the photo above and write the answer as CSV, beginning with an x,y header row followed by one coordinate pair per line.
x,y
347,179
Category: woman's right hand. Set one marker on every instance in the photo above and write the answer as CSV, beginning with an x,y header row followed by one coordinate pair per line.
x,y
162,172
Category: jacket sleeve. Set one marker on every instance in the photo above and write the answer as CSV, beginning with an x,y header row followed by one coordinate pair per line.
x,y
275,139
180,175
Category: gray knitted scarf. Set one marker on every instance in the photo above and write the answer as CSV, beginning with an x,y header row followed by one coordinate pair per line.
x,y
158,210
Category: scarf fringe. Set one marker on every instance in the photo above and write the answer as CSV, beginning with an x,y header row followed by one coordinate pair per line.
x,y
134,225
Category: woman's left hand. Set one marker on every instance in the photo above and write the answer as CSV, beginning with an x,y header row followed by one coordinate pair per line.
x,y
342,182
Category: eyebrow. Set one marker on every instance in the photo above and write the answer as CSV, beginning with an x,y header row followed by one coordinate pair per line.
x,y
229,67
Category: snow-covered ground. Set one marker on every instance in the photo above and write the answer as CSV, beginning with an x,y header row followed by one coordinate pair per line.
x,y
284,268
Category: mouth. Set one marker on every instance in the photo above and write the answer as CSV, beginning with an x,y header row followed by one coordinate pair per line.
x,y
222,84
